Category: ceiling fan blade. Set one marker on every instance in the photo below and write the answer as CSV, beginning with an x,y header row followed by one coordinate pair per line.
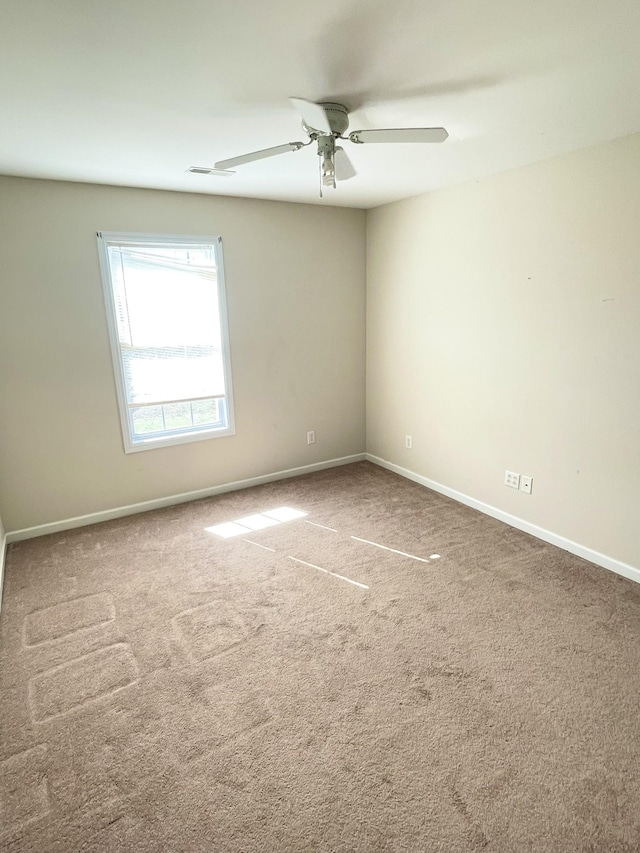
x,y
205,170
344,166
313,115
259,155
400,134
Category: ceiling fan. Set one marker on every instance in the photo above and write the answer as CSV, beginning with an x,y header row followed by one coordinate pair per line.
x,y
325,123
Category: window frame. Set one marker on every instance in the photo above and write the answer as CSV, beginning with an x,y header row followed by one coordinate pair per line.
x,y
107,238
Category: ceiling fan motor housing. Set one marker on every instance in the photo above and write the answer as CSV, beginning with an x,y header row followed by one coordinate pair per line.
x,y
337,116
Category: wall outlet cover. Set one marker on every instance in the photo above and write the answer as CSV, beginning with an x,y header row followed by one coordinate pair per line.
x,y
512,479
526,484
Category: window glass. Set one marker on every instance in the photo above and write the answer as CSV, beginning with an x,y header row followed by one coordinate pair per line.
x,y
167,319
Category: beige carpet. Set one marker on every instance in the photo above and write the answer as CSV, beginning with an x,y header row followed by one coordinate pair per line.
x,y
166,689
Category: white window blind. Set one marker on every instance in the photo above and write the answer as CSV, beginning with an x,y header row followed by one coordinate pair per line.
x,y
165,300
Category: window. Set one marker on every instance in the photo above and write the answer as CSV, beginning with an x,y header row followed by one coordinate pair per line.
x,y
167,318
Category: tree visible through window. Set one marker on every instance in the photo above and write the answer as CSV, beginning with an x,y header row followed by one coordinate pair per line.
x,y
165,302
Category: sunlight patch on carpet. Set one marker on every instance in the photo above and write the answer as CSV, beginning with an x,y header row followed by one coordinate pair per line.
x,y
394,550
323,526
228,529
327,572
265,547
285,513
257,521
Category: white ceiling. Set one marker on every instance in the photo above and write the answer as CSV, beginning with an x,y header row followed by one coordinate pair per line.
x,y
135,92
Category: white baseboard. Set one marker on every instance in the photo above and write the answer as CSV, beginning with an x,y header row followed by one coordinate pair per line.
x,y
159,503
589,554
603,560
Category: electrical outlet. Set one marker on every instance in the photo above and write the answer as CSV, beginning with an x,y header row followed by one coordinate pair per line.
x,y
311,436
526,484
408,442
512,479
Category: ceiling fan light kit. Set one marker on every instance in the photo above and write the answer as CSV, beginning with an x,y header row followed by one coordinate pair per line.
x,y
325,123
327,153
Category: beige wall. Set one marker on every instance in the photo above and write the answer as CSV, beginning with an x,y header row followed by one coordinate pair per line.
x,y
295,291
503,331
